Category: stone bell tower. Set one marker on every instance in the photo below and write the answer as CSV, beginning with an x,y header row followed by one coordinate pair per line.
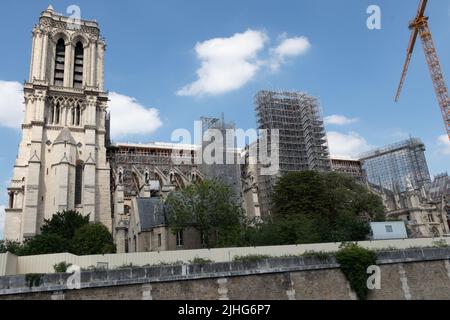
x,y
61,162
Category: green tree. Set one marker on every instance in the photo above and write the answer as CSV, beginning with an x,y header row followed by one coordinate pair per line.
x,y
93,239
44,244
65,223
320,207
66,231
208,207
349,228
10,246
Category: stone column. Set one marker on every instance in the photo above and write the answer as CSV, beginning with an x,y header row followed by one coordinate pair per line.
x,y
90,172
89,181
63,184
33,58
33,181
100,66
119,201
121,237
32,197
68,65
93,64
85,63
37,53
44,57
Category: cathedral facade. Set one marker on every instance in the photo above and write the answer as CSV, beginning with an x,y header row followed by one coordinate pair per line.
x,y
61,162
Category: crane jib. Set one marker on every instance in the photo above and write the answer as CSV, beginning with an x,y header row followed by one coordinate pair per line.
x,y
420,26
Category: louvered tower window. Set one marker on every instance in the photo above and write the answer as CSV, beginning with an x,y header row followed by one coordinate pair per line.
x,y
60,59
78,66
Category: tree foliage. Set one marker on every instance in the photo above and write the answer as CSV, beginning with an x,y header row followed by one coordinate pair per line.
x,y
312,207
65,223
46,243
66,231
10,246
93,239
208,207
327,194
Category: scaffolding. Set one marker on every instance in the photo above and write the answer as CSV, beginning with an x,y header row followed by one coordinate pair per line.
x,y
395,164
142,157
440,187
228,173
303,143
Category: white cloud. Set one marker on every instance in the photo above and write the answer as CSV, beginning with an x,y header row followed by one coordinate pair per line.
x,y
128,117
11,104
400,135
226,63
348,145
2,221
444,145
289,48
339,120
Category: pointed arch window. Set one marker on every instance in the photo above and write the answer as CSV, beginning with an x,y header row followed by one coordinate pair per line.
x,y
11,200
72,111
79,183
57,113
78,66
60,58
51,113
78,116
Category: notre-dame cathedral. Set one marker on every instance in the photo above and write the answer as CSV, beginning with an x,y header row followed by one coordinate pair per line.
x,y
61,162
65,159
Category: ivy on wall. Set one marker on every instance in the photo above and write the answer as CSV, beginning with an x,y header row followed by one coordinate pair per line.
x,y
355,261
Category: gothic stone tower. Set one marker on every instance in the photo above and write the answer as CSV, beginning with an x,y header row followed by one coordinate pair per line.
x,y
61,163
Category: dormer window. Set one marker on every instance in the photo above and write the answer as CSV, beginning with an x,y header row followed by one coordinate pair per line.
x,y
60,58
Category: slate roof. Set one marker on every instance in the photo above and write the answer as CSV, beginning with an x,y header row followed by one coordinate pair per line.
x,y
65,136
151,213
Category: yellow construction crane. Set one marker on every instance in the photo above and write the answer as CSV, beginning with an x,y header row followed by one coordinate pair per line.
x,y
419,26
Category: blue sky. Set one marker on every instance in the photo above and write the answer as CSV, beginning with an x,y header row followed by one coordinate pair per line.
x,y
152,55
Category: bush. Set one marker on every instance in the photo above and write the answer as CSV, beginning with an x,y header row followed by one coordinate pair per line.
x,y
440,243
318,255
354,261
127,266
61,267
10,246
93,239
200,261
251,258
33,279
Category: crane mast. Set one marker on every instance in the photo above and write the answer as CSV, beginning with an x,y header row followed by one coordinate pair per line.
x,y
419,26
